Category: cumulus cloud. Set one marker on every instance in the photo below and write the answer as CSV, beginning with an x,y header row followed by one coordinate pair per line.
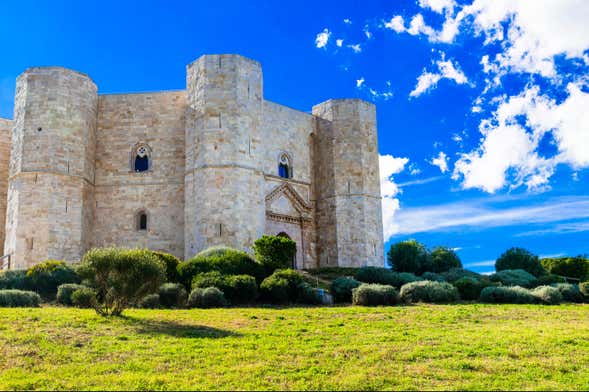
x,y
389,166
429,80
322,38
396,24
509,151
438,6
356,48
441,161
339,42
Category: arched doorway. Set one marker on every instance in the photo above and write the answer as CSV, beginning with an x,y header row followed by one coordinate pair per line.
x,y
293,262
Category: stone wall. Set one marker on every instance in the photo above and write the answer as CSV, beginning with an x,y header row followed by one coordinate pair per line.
x,y
51,166
5,131
124,120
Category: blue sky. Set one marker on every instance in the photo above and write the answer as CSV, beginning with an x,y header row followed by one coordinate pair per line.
x,y
482,106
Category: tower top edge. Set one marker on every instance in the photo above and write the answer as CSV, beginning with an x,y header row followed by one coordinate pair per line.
x,y
224,55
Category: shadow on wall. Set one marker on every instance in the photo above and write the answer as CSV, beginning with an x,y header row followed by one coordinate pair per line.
x,y
175,329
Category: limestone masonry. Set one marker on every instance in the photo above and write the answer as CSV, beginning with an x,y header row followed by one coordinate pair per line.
x,y
180,171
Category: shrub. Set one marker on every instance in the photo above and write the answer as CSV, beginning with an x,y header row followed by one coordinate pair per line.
x,y
547,295
84,298
19,299
584,288
210,297
470,288
571,267
341,289
150,301
570,292
517,277
429,292
453,274
520,259
14,280
443,259
45,277
241,288
433,276
384,276
374,294
171,262
308,295
121,277
274,288
65,291
225,260
409,256
209,279
275,252
548,279
172,295
507,295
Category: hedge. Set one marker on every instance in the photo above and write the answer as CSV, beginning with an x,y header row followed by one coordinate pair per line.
x,y
454,274
65,291
570,292
171,262
237,288
517,277
507,295
210,297
46,277
84,298
374,294
19,299
547,295
384,276
172,295
341,289
429,292
470,288
282,286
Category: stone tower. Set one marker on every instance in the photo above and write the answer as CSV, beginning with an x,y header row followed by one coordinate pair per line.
x,y
348,192
224,183
50,191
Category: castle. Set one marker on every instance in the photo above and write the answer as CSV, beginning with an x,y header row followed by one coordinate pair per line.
x,y
180,171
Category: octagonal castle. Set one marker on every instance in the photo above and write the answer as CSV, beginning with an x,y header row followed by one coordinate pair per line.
x,y
180,171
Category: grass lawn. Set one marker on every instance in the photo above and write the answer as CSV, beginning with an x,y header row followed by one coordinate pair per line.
x,y
413,347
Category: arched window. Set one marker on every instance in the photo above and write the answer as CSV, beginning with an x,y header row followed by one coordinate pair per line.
x,y
141,158
142,220
284,166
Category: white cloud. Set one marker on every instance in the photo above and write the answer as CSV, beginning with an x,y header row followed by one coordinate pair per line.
x,y
562,228
347,21
488,213
485,263
359,82
509,149
438,6
429,80
339,42
322,38
417,26
356,48
441,161
389,166
420,181
396,23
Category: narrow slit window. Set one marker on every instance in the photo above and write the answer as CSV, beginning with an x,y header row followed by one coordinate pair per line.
x,y
142,221
284,166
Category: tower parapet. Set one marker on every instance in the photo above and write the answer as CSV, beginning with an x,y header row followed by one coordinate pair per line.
x,y
224,200
348,202
51,179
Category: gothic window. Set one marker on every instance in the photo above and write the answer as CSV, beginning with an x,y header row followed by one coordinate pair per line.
x,y
284,166
141,158
142,220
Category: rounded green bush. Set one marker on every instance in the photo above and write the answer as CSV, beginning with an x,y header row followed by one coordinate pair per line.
x,y
444,259
341,289
507,295
433,276
374,294
84,298
547,295
210,297
171,262
548,279
409,256
517,277
584,288
469,288
384,276
172,295
570,267
308,295
275,252
46,277
570,292
226,261
150,301
429,292
65,291
275,290
209,279
520,259
14,280
19,299
453,274
237,288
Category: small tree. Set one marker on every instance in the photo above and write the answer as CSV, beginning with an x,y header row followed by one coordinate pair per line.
x,y
519,258
444,259
121,277
571,267
275,252
46,277
409,256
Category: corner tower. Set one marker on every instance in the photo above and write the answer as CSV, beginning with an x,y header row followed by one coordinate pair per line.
x,y
50,189
349,211
224,200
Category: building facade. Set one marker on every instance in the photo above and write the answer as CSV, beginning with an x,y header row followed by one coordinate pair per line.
x,y
180,171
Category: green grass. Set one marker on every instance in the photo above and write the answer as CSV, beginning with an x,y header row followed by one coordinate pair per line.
x,y
413,347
